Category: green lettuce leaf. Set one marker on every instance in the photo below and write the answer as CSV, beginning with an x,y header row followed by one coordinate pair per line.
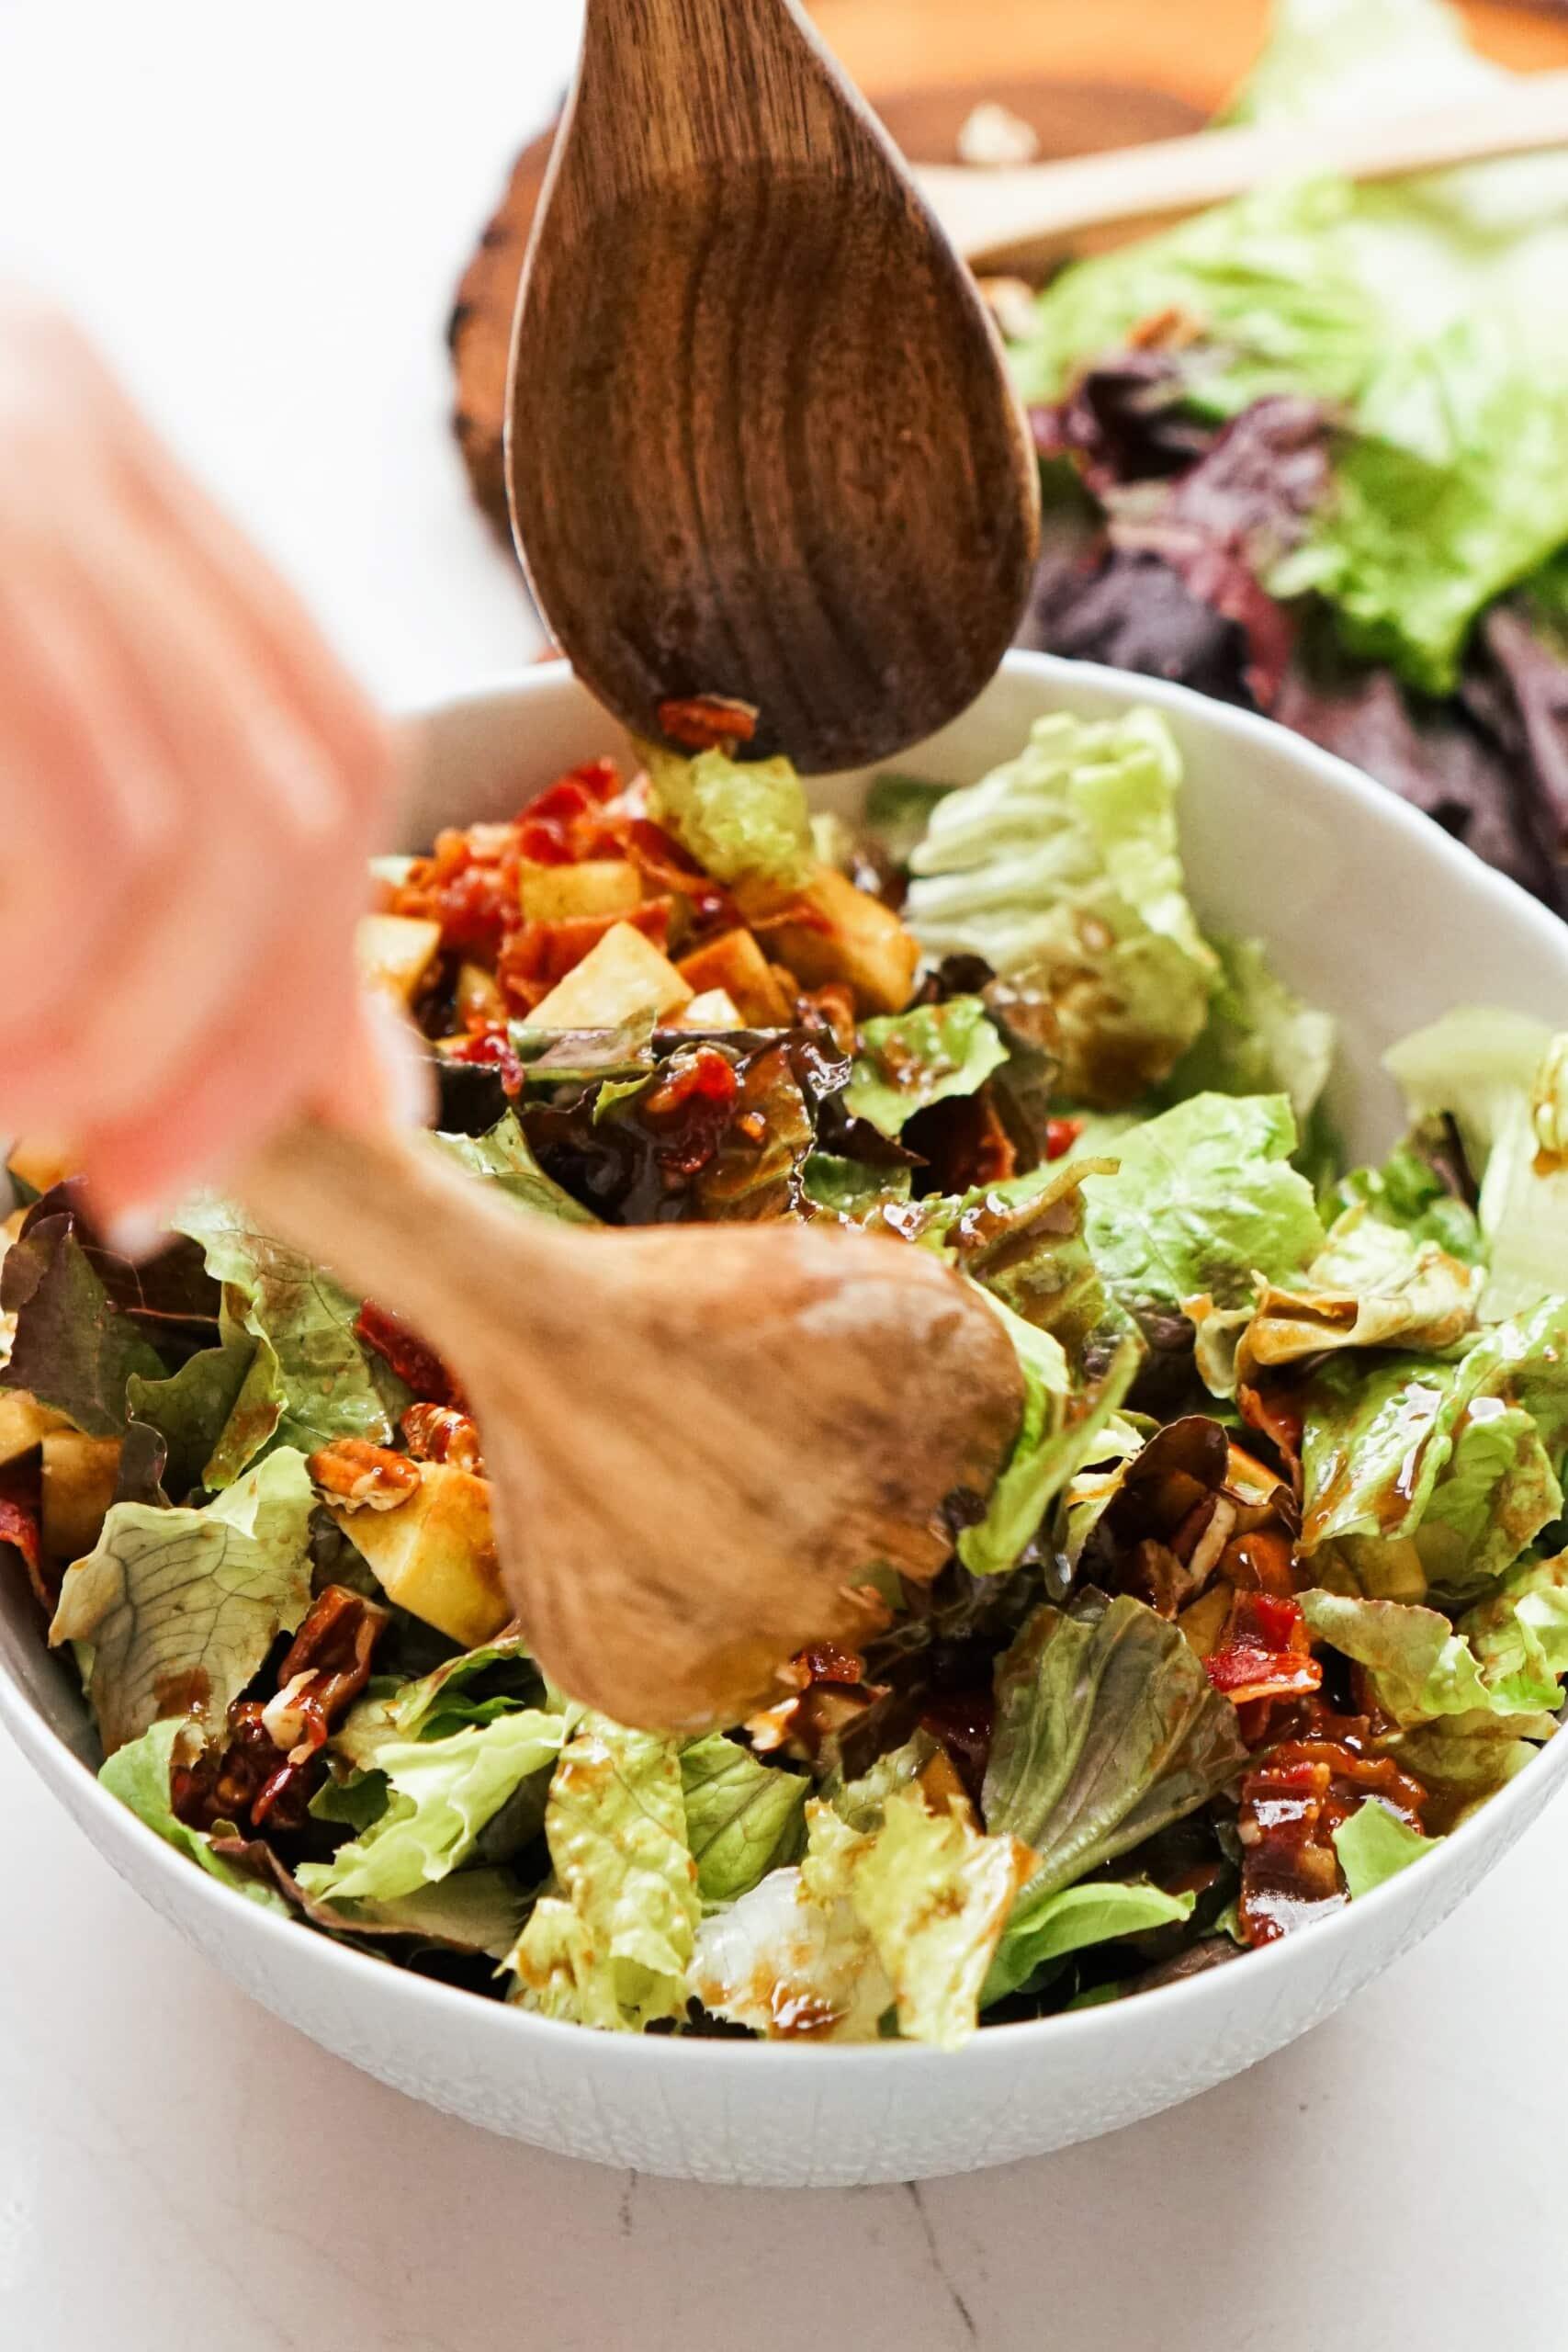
x,y
933,1896
850,1189
1372,1285
736,818
1258,1038
209,1442
1062,867
442,1795
309,1373
1457,1455
1505,1657
181,1607
1107,1728
1203,1202
743,1818
1060,1432
139,1775
501,1156
1466,1760
1373,1845
74,1350
904,1915
1023,1241
498,1678
908,1060
613,1947
1502,1078
1453,486
1407,1191
1045,1927
1268,282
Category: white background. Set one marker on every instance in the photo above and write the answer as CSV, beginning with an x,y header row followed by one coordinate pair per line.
x,y
263,211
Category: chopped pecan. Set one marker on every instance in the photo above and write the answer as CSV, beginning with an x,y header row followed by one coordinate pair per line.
x,y
356,1476
266,1769
440,1434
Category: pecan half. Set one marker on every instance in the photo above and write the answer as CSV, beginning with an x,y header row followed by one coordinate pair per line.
x,y
356,1476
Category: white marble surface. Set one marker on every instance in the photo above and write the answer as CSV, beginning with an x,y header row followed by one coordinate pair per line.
x,y
262,211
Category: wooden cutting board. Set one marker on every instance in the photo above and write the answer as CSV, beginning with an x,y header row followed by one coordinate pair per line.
x,y
1084,74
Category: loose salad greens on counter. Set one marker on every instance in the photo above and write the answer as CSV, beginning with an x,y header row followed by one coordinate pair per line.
x,y
1272,1590
1309,451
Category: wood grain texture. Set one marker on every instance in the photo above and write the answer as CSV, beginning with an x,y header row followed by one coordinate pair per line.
x,y
761,439
1028,218
700,1439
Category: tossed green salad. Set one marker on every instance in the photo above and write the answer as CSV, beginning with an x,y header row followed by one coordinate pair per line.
x,y
1272,1590
1308,451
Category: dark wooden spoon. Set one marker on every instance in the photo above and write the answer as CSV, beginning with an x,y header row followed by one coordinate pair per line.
x,y
761,439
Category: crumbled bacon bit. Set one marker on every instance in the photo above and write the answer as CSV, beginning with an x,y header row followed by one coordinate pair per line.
x,y
468,885
417,1366
1060,1136
1266,1652
1292,1802
707,722
359,1476
674,872
565,824
439,1434
19,1528
489,1045
690,1109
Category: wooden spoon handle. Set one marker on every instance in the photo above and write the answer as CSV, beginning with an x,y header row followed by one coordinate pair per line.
x,y
1043,212
396,1225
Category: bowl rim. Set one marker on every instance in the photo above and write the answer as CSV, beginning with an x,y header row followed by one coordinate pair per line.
x,y
355,1967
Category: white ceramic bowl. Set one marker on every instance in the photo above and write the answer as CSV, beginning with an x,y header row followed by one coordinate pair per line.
x,y
1369,909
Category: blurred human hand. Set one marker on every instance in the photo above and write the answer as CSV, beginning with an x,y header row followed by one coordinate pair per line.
x,y
189,787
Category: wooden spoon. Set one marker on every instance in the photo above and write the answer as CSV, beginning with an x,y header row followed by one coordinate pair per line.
x,y
1038,213
761,439
700,1442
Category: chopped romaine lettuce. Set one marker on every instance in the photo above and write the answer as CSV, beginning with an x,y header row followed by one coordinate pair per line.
x,y
442,1793
1060,1432
181,1607
1258,1038
612,1947
1203,1205
743,1818
908,1060
1107,1729
1046,1927
1373,1845
1063,865
740,818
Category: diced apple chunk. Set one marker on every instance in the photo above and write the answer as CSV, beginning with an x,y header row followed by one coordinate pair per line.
x,y
23,1423
599,886
621,975
79,1476
478,996
712,1010
1201,1625
855,939
736,964
435,1554
396,952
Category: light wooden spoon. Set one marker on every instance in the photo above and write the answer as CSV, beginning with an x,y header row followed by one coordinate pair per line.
x,y
1027,217
701,1441
761,440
